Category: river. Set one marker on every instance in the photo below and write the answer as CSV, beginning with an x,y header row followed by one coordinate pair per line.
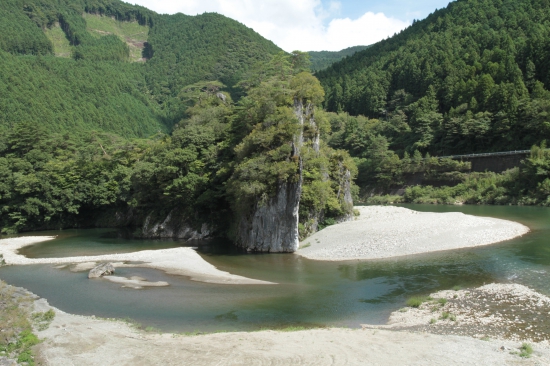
x,y
309,293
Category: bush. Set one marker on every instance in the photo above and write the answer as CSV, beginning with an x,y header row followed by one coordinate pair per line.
x,y
416,301
384,200
526,350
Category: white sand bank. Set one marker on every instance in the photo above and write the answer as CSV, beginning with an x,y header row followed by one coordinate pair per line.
x,y
177,261
384,232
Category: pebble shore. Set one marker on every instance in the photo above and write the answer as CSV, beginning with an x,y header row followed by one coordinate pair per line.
x,y
388,231
495,311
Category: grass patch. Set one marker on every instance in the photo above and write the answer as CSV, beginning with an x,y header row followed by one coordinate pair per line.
x,y
445,315
384,200
131,322
42,321
130,32
61,45
457,288
152,330
433,320
16,337
442,301
416,301
526,350
2,260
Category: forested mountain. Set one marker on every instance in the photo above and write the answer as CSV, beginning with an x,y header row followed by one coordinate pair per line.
x,y
94,85
473,77
322,59
220,162
111,114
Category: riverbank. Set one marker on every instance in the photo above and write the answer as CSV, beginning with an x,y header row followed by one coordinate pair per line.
x,y
80,340
494,311
176,261
388,231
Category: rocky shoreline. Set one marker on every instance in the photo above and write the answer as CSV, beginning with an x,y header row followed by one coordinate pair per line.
x,y
495,311
387,231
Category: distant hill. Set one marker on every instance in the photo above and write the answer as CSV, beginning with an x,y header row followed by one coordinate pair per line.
x,y
80,65
322,59
184,49
471,77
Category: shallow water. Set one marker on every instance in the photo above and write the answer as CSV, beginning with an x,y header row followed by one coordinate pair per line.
x,y
309,293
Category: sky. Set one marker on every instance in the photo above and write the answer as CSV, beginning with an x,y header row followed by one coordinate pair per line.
x,y
311,25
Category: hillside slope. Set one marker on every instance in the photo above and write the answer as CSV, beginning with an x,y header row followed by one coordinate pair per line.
x,y
92,84
473,77
320,60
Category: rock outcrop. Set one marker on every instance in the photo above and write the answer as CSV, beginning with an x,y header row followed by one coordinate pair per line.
x,y
273,227
174,227
104,269
155,225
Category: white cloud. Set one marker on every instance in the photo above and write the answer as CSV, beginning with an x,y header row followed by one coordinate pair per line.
x,y
292,24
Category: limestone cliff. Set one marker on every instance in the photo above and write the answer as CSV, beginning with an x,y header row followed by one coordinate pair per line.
x,y
155,225
175,227
272,226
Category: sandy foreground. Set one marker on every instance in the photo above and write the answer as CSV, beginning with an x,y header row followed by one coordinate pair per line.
x,y
177,261
387,231
78,340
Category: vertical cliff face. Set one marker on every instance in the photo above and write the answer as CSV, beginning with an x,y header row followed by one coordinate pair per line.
x,y
315,175
273,226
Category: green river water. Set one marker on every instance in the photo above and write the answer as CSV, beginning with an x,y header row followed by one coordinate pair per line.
x,y
308,293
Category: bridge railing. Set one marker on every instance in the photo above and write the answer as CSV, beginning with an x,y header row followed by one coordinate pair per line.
x,y
503,153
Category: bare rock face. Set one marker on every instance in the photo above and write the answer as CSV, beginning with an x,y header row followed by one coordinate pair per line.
x,y
5,361
273,227
174,227
104,269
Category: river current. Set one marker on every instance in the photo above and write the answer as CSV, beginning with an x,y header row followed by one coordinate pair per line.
x,y
309,293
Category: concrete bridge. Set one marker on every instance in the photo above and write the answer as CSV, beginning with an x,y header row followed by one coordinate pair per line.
x,y
492,162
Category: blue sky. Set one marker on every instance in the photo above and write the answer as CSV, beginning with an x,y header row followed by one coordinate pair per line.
x,y
311,25
402,9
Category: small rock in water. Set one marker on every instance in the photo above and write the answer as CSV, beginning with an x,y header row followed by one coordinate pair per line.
x,y
104,269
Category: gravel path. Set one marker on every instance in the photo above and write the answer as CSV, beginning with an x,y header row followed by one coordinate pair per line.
x,y
387,231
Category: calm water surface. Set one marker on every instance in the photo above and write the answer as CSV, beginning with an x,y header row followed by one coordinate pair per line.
x,y
308,293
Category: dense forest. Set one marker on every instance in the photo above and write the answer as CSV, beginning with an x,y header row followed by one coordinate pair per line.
x,y
219,157
98,87
322,59
473,77
110,111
